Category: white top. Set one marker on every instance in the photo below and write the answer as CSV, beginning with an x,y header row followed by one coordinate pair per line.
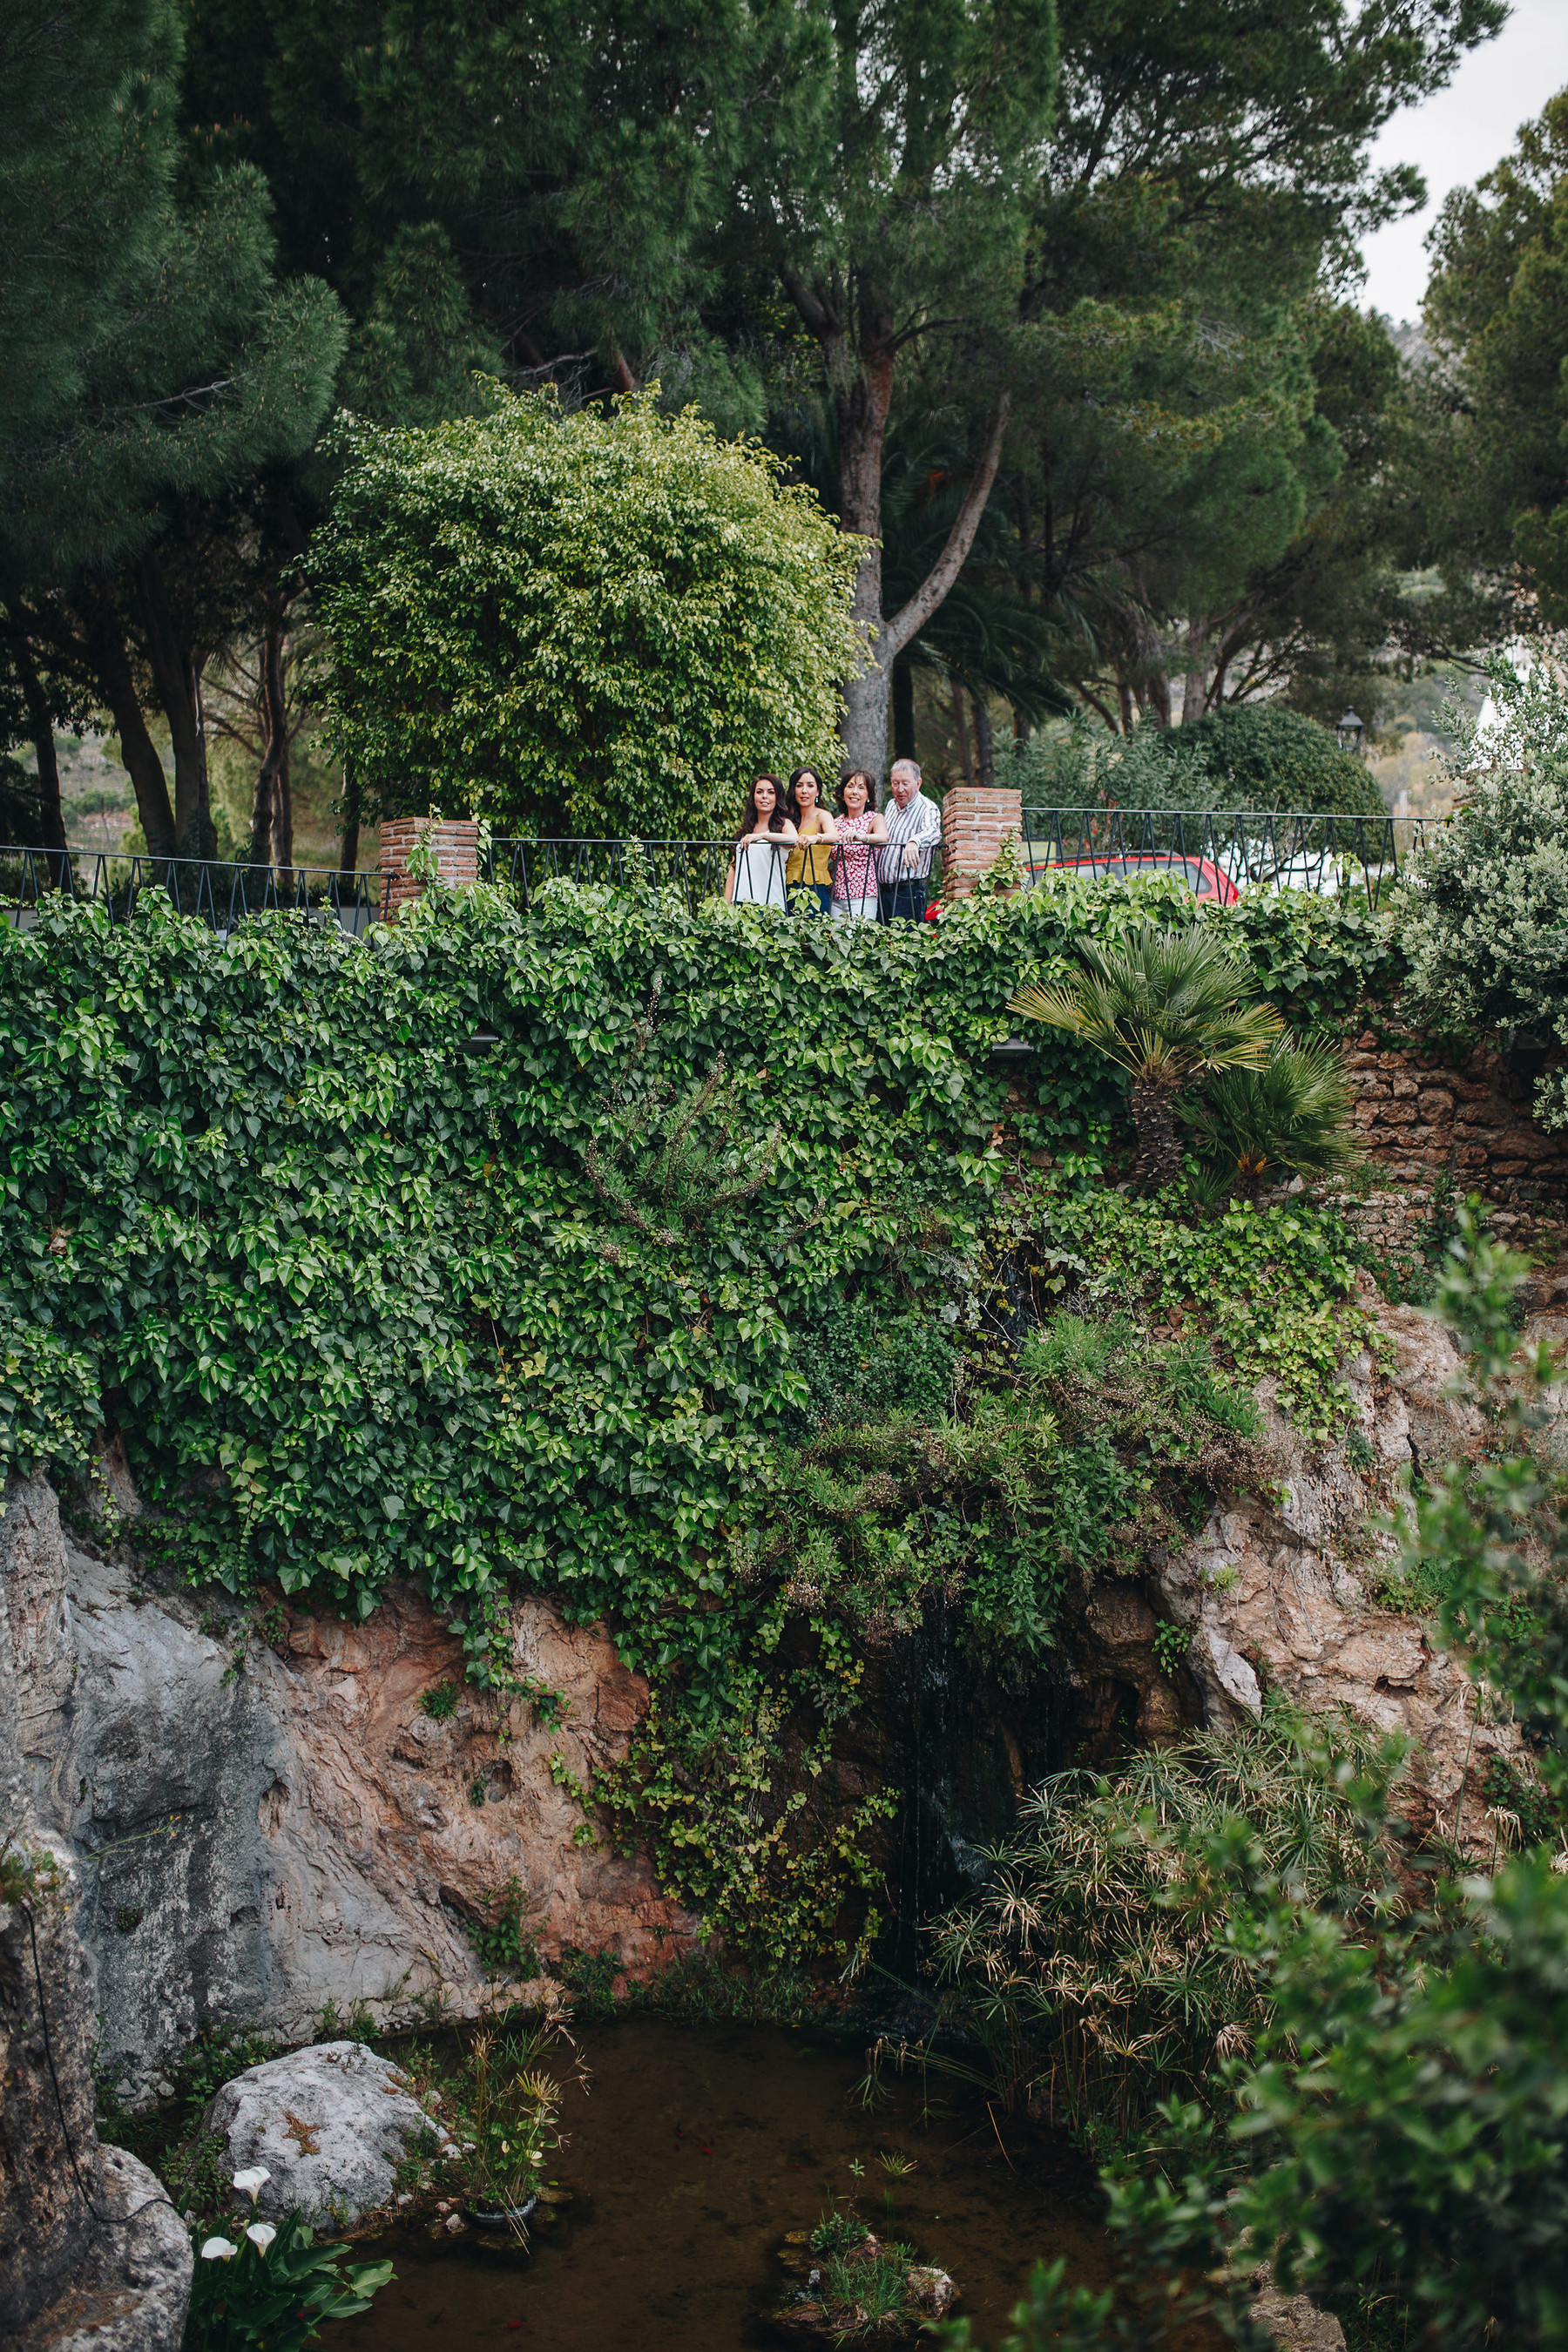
x,y
760,872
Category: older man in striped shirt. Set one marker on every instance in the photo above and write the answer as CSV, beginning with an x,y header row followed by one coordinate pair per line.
x,y
914,828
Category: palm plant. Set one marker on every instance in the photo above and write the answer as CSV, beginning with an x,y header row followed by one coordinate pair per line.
x,y
1167,1006
1290,1112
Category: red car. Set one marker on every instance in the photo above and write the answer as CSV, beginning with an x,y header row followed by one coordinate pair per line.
x,y
1202,875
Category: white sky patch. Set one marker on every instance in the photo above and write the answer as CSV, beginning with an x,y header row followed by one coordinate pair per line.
x,y
1458,135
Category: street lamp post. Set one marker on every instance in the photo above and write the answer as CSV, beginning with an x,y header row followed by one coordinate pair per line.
x,y
1350,732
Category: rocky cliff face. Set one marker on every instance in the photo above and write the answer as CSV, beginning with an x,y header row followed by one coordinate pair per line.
x,y
256,1843
89,2246
1277,1596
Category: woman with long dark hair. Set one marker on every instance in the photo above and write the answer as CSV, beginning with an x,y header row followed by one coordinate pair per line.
x,y
862,829
810,870
756,876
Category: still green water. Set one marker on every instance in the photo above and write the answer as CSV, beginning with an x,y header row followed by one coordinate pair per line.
x,y
698,2147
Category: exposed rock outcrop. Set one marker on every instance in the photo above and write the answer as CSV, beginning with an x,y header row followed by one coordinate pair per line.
x,y
132,2283
1276,1594
329,2126
257,1840
90,2249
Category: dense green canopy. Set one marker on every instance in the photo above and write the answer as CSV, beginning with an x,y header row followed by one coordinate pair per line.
x,y
579,625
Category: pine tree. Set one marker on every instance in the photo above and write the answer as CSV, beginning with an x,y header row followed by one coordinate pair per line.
x,y
176,367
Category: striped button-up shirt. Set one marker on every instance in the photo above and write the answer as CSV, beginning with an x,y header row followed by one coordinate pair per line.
x,y
917,828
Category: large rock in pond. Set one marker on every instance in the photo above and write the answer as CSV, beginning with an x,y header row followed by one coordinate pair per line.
x,y
329,2125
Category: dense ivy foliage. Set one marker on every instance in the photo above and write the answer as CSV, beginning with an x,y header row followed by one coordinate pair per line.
x,y
500,1251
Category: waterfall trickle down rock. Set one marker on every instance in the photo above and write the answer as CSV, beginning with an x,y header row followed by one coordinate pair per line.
x,y
968,1737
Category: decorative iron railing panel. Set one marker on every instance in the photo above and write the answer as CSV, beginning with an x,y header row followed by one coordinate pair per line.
x,y
1226,852
218,894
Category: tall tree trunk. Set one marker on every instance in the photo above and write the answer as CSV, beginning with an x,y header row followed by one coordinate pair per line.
x,y
862,403
1195,681
112,666
960,730
41,728
1124,705
985,743
176,676
903,711
272,814
348,855
860,369
866,700
1159,1153
1157,697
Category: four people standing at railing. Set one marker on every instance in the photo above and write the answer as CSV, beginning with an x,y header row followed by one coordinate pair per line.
x,y
861,865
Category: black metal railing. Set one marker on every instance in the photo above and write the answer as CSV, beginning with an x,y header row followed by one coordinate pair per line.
x,y
1226,852
694,870
1220,854
216,893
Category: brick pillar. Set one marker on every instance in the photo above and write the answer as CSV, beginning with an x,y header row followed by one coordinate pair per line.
x,y
457,855
975,824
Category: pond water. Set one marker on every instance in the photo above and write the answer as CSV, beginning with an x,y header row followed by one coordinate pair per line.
x,y
697,2149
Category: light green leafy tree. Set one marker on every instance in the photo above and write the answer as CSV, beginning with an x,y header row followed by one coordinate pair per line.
x,y
594,626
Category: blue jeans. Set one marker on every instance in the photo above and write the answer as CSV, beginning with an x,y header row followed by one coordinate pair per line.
x,y
904,901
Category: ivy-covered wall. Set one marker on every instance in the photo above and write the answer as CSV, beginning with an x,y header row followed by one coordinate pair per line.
x,y
363,1294
498,1252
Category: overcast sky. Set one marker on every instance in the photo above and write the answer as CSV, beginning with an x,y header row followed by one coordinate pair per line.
x,y
1461,133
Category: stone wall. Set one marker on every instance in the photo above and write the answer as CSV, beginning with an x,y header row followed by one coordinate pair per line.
x,y
1417,1117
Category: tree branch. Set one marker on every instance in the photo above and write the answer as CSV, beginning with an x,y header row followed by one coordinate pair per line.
x,y
895,634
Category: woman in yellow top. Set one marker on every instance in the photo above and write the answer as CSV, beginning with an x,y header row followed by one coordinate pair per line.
x,y
810,867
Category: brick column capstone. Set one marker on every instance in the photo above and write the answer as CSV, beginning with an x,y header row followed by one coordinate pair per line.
x,y
456,855
976,821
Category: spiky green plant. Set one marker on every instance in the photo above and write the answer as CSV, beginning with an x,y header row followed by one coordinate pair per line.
x,y
1168,1007
1290,1113
1103,1966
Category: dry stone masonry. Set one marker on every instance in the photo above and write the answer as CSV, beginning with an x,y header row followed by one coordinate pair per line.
x,y
1418,1118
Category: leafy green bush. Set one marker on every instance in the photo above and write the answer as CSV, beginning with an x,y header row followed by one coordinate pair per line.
x,y
579,624
1262,755
862,1362
349,1291
1485,913
1249,755
1318,961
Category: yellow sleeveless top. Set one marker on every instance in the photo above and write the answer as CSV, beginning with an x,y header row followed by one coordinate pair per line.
x,y
809,862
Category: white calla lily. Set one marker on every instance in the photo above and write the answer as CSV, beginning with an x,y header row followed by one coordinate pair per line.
x,y
262,2235
219,2250
251,2181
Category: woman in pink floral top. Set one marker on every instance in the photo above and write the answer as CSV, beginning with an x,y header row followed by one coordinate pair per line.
x,y
860,831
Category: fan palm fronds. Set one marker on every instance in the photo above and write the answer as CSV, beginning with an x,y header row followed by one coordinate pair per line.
x,y
1289,1113
1168,1006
